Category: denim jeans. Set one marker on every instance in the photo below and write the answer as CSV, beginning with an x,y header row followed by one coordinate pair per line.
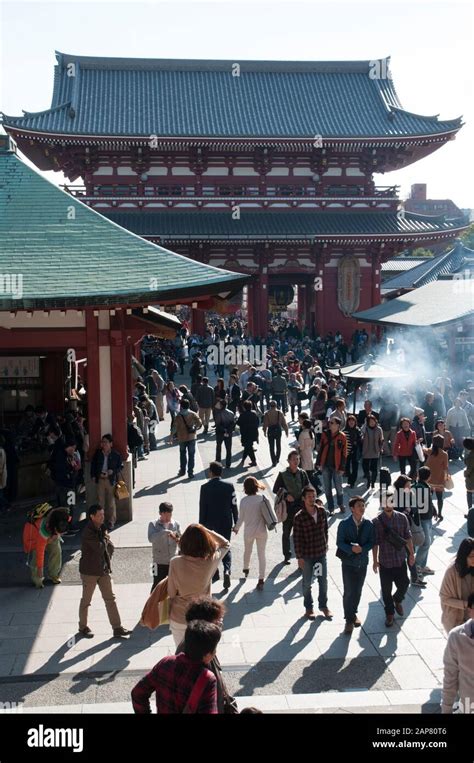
x,y
322,575
287,527
274,443
421,558
353,580
331,476
187,451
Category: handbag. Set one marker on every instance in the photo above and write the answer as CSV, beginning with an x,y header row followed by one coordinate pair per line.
x,y
419,452
191,428
302,395
448,482
394,538
156,609
121,491
268,513
417,532
280,507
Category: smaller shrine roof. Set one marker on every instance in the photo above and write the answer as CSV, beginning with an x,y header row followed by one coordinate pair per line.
x,y
430,269
68,254
436,304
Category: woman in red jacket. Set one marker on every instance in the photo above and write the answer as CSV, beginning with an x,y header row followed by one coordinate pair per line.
x,y
404,447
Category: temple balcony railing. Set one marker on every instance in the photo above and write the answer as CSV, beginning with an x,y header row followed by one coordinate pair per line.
x,y
234,191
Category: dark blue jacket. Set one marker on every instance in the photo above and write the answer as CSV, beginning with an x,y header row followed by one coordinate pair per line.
x,y
348,533
114,462
218,507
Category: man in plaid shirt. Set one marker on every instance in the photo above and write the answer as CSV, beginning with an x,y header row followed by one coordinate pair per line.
x,y
310,536
392,561
173,678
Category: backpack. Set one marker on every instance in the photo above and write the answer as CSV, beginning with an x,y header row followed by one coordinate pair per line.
x,y
268,513
279,507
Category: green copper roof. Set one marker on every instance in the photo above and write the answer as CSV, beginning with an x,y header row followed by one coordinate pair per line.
x,y
68,253
178,224
186,98
436,304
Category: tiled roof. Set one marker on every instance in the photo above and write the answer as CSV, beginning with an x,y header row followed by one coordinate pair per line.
x,y
178,224
430,269
66,251
401,264
185,98
437,303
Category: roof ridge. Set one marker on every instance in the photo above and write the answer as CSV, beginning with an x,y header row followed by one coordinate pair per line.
x,y
182,64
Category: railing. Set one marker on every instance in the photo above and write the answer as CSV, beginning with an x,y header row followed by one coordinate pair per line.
x,y
232,191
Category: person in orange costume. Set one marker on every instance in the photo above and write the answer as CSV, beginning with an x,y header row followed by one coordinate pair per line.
x,y
41,535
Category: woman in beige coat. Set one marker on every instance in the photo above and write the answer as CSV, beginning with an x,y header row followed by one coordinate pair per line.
x,y
457,585
190,574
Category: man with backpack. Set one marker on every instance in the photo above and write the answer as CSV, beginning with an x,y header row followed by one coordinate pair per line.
x,y
183,682
292,481
392,538
274,423
41,539
186,424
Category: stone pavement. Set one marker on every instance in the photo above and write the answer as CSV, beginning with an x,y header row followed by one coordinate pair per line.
x,y
273,658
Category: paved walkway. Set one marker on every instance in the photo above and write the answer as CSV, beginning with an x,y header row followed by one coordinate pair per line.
x,y
273,657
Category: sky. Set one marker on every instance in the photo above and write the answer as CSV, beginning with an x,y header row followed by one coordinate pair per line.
x,y
430,44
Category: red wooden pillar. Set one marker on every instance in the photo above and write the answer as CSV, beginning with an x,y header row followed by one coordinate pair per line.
x,y
319,310
198,322
93,380
128,369
302,306
252,319
119,387
262,304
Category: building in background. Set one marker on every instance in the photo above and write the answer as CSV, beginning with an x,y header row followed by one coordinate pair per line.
x,y
263,167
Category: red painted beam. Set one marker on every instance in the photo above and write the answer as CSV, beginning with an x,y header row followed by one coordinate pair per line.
x,y
42,339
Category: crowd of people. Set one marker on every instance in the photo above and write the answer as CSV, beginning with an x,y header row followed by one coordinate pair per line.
x,y
337,462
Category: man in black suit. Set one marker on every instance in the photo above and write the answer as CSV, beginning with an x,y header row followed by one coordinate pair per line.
x,y
218,511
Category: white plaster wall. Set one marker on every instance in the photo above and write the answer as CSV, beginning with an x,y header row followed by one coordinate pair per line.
x,y
105,390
